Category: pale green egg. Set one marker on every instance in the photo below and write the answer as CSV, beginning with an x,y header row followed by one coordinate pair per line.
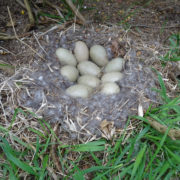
x,y
98,55
115,64
88,68
112,77
66,57
89,80
81,51
79,90
70,72
110,88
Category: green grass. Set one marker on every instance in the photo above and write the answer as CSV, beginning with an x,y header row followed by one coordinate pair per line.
x,y
174,51
147,154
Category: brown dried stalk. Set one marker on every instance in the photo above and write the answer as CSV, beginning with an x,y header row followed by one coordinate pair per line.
x,y
19,38
76,12
30,15
174,134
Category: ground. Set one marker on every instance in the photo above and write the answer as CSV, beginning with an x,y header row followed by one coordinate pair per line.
x,y
150,21
141,27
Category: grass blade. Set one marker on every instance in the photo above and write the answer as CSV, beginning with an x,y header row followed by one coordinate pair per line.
x,y
90,146
17,162
158,149
138,160
175,157
163,170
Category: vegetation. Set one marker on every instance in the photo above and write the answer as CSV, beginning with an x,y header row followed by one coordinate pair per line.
x,y
142,153
174,51
146,154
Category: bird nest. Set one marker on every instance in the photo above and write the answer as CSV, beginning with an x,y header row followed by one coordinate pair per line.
x,y
40,88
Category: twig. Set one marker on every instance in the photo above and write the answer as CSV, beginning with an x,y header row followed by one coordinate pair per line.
x,y
21,3
39,43
173,133
153,27
58,9
76,11
31,18
59,27
8,37
7,51
18,37
3,34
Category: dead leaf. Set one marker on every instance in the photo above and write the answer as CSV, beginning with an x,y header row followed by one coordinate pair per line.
x,y
107,128
115,47
138,53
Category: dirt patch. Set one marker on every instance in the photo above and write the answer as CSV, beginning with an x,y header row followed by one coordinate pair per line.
x,y
134,13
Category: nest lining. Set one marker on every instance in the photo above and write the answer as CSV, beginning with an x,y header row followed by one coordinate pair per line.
x,y
43,87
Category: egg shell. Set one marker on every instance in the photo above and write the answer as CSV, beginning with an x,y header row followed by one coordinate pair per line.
x,y
110,88
66,57
88,68
79,90
70,72
112,77
81,51
89,80
115,64
98,55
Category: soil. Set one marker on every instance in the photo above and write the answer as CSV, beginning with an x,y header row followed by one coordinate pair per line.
x,y
132,29
150,21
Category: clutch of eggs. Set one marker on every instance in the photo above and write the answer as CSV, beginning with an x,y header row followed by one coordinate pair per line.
x,y
87,74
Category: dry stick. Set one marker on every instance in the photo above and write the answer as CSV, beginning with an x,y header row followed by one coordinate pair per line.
x,y
21,3
7,37
31,18
4,36
152,27
76,12
58,9
173,133
20,39
6,50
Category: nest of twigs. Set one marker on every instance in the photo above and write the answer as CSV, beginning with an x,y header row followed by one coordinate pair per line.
x,y
40,88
